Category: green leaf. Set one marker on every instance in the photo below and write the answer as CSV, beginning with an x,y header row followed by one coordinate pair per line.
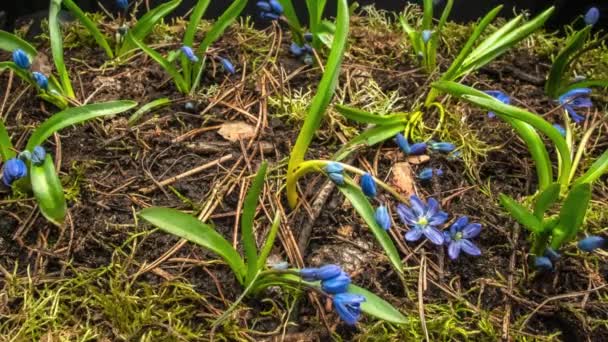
x,y
180,83
6,146
73,116
146,24
148,107
321,100
572,215
445,14
10,42
362,116
272,234
190,228
195,19
52,96
369,137
521,214
361,204
546,199
378,307
90,25
48,191
599,167
563,61
427,16
56,39
289,12
584,84
247,220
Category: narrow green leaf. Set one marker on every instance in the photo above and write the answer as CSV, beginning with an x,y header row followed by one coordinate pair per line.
x,y
23,74
361,204
369,137
362,116
546,199
445,14
583,84
378,307
599,167
180,83
10,42
222,23
521,214
190,228
73,116
48,191
6,146
562,61
146,24
90,25
158,103
56,39
247,219
269,242
321,100
293,21
427,15
195,19
572,215
494,38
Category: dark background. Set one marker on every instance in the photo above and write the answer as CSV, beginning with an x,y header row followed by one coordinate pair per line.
x,y
464,10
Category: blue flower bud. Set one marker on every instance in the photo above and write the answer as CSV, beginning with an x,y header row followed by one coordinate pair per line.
x,y
13,170
41,80
383,218
592,16
337,178
309,273
122,4
552,254
334,167
187,51
426,36
444,147
417,149
296,49
276,7
410,150
21,59
368,185
428,173
328,271
308,37
560,129
335,285
268,16
263,6
283,265
591,243
38,155
543,263
228,67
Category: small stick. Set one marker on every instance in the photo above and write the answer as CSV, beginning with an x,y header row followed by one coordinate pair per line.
x,y
191,172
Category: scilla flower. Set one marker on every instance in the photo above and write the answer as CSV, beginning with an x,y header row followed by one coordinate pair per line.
x,y
41,80
591,243
500,96
423,219
122,4
21,59
410,150
38,155
444,147
270,10
576,99
300,51
324,272
187,51
426,36
334,172
427,173
382,217
458,238
348,306
592,16
337,284
227,65
368,185
13,170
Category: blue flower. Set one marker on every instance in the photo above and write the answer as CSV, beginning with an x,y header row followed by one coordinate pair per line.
x,y
560,129
427,173
21,59
543,263
423,219
337,284
38,155
458,238
41,80
382,217
122,4
426,36
500,96
276,7
334,172
13,170
410,150
591,243
228,67
348,306
270,10
592,16
444,147
575,99
324,272
263,6
300,51
368,185
187,51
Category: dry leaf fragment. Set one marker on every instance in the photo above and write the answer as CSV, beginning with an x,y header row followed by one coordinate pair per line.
x,y
403,178
238,130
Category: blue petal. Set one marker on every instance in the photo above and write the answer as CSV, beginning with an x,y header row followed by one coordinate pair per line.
x,y
334,167
276,7
568,96
296,49
41,80
21,59
469,247
417,149
263,6
402,143
560,129
13,170
228,67
337,178
471,231
432,207
438,219
309,273
417,205
368,185
442,146
383,218
336,284
457,226
434,235
348,306
38,155
413,234
406,215
573,114
426,174
454,250
328,271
